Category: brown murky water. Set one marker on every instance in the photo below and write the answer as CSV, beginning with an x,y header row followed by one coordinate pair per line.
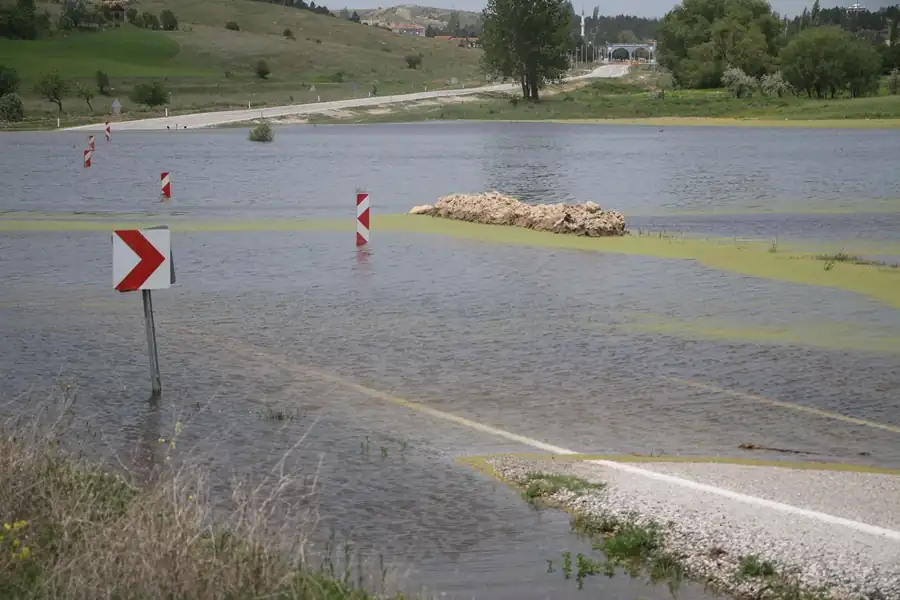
x,y
533,341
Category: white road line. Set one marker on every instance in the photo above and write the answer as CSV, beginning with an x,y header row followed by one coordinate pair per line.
x,y
553,449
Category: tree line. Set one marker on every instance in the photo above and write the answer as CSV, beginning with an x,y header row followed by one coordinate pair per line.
x,y
742,44
700,40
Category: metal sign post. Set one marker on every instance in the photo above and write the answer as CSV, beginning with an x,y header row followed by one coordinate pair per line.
x,y
139,263
155,383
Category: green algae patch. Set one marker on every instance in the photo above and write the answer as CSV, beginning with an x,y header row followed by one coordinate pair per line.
x,y
746,258
828,335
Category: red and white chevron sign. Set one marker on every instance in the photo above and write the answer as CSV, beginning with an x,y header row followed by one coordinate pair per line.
x,y
362,218
141,259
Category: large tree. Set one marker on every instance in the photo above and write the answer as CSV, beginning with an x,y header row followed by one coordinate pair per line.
x,y
826,61
699,39
527,40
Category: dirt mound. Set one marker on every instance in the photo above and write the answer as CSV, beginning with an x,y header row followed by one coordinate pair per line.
x,y
494,208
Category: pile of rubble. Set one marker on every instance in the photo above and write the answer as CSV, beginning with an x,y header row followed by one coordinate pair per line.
x,y
494,208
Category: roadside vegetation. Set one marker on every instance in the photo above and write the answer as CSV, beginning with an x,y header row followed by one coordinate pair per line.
x,y
644,94
638,547
72,530
214,55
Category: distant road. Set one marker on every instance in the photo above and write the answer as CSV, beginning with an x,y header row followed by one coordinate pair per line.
x,y
210,119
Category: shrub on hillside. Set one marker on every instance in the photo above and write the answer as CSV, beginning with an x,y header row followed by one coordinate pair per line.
x,y
262,69
9,81
150,21
53,88
150,94
11,108
262,133
232,25
168,20
414,61
86,94
288,34
102,83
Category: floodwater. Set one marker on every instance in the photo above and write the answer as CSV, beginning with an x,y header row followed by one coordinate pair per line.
x,y
545,343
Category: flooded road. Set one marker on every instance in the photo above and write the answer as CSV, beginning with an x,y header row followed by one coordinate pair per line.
x,y
601,353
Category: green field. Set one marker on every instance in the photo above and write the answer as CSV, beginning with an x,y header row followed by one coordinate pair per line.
x,y
208,67
629,100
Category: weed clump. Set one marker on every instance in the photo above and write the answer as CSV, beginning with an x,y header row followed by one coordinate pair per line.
x,y
262,133
544,485
70,530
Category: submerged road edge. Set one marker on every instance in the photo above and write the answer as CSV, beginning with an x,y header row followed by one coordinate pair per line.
x,y
748,552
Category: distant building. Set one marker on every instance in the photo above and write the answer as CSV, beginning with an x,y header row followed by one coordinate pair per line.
x,y
856,8
409,29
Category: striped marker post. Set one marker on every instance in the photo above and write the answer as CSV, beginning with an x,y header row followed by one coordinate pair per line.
x,y
165,186
91,143
87,158
362,218
107,131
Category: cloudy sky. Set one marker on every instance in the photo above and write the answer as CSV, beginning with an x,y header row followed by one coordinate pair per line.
x,y
642,8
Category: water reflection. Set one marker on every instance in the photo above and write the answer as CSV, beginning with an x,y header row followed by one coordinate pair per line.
x,y
148,451
529,164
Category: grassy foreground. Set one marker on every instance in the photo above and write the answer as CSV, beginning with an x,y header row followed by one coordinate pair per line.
x,y
629,101
73,531
208,67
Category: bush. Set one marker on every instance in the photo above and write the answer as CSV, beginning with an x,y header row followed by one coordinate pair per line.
x,y
232,25
11,108
414,61
740,84
894,82
131,15
150,94
168,20
150,21
262,133
774,85
9,81
262,69
102,82
288,34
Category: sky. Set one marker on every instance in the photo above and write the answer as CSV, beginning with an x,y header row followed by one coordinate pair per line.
x,y
640,8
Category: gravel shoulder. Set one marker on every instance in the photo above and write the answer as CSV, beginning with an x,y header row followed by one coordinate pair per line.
x,y
711,534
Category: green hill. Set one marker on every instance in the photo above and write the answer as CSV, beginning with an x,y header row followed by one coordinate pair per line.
x,y
206,66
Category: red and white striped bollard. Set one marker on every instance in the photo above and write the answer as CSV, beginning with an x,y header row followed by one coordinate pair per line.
x,y
87,158
91,142
362,218
165,186
107,131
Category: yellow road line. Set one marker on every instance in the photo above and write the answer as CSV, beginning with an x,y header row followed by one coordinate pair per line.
x,y
782,404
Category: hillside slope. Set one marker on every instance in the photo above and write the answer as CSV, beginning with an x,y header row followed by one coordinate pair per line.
x,y
420,15
207,66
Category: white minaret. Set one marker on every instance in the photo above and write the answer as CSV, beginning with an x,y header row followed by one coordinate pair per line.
x,y
582,22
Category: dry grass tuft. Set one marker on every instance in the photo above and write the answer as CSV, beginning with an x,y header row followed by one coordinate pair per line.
x,y
70,530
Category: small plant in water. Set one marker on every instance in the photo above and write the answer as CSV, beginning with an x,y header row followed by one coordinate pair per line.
x,y
262,133
567,564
